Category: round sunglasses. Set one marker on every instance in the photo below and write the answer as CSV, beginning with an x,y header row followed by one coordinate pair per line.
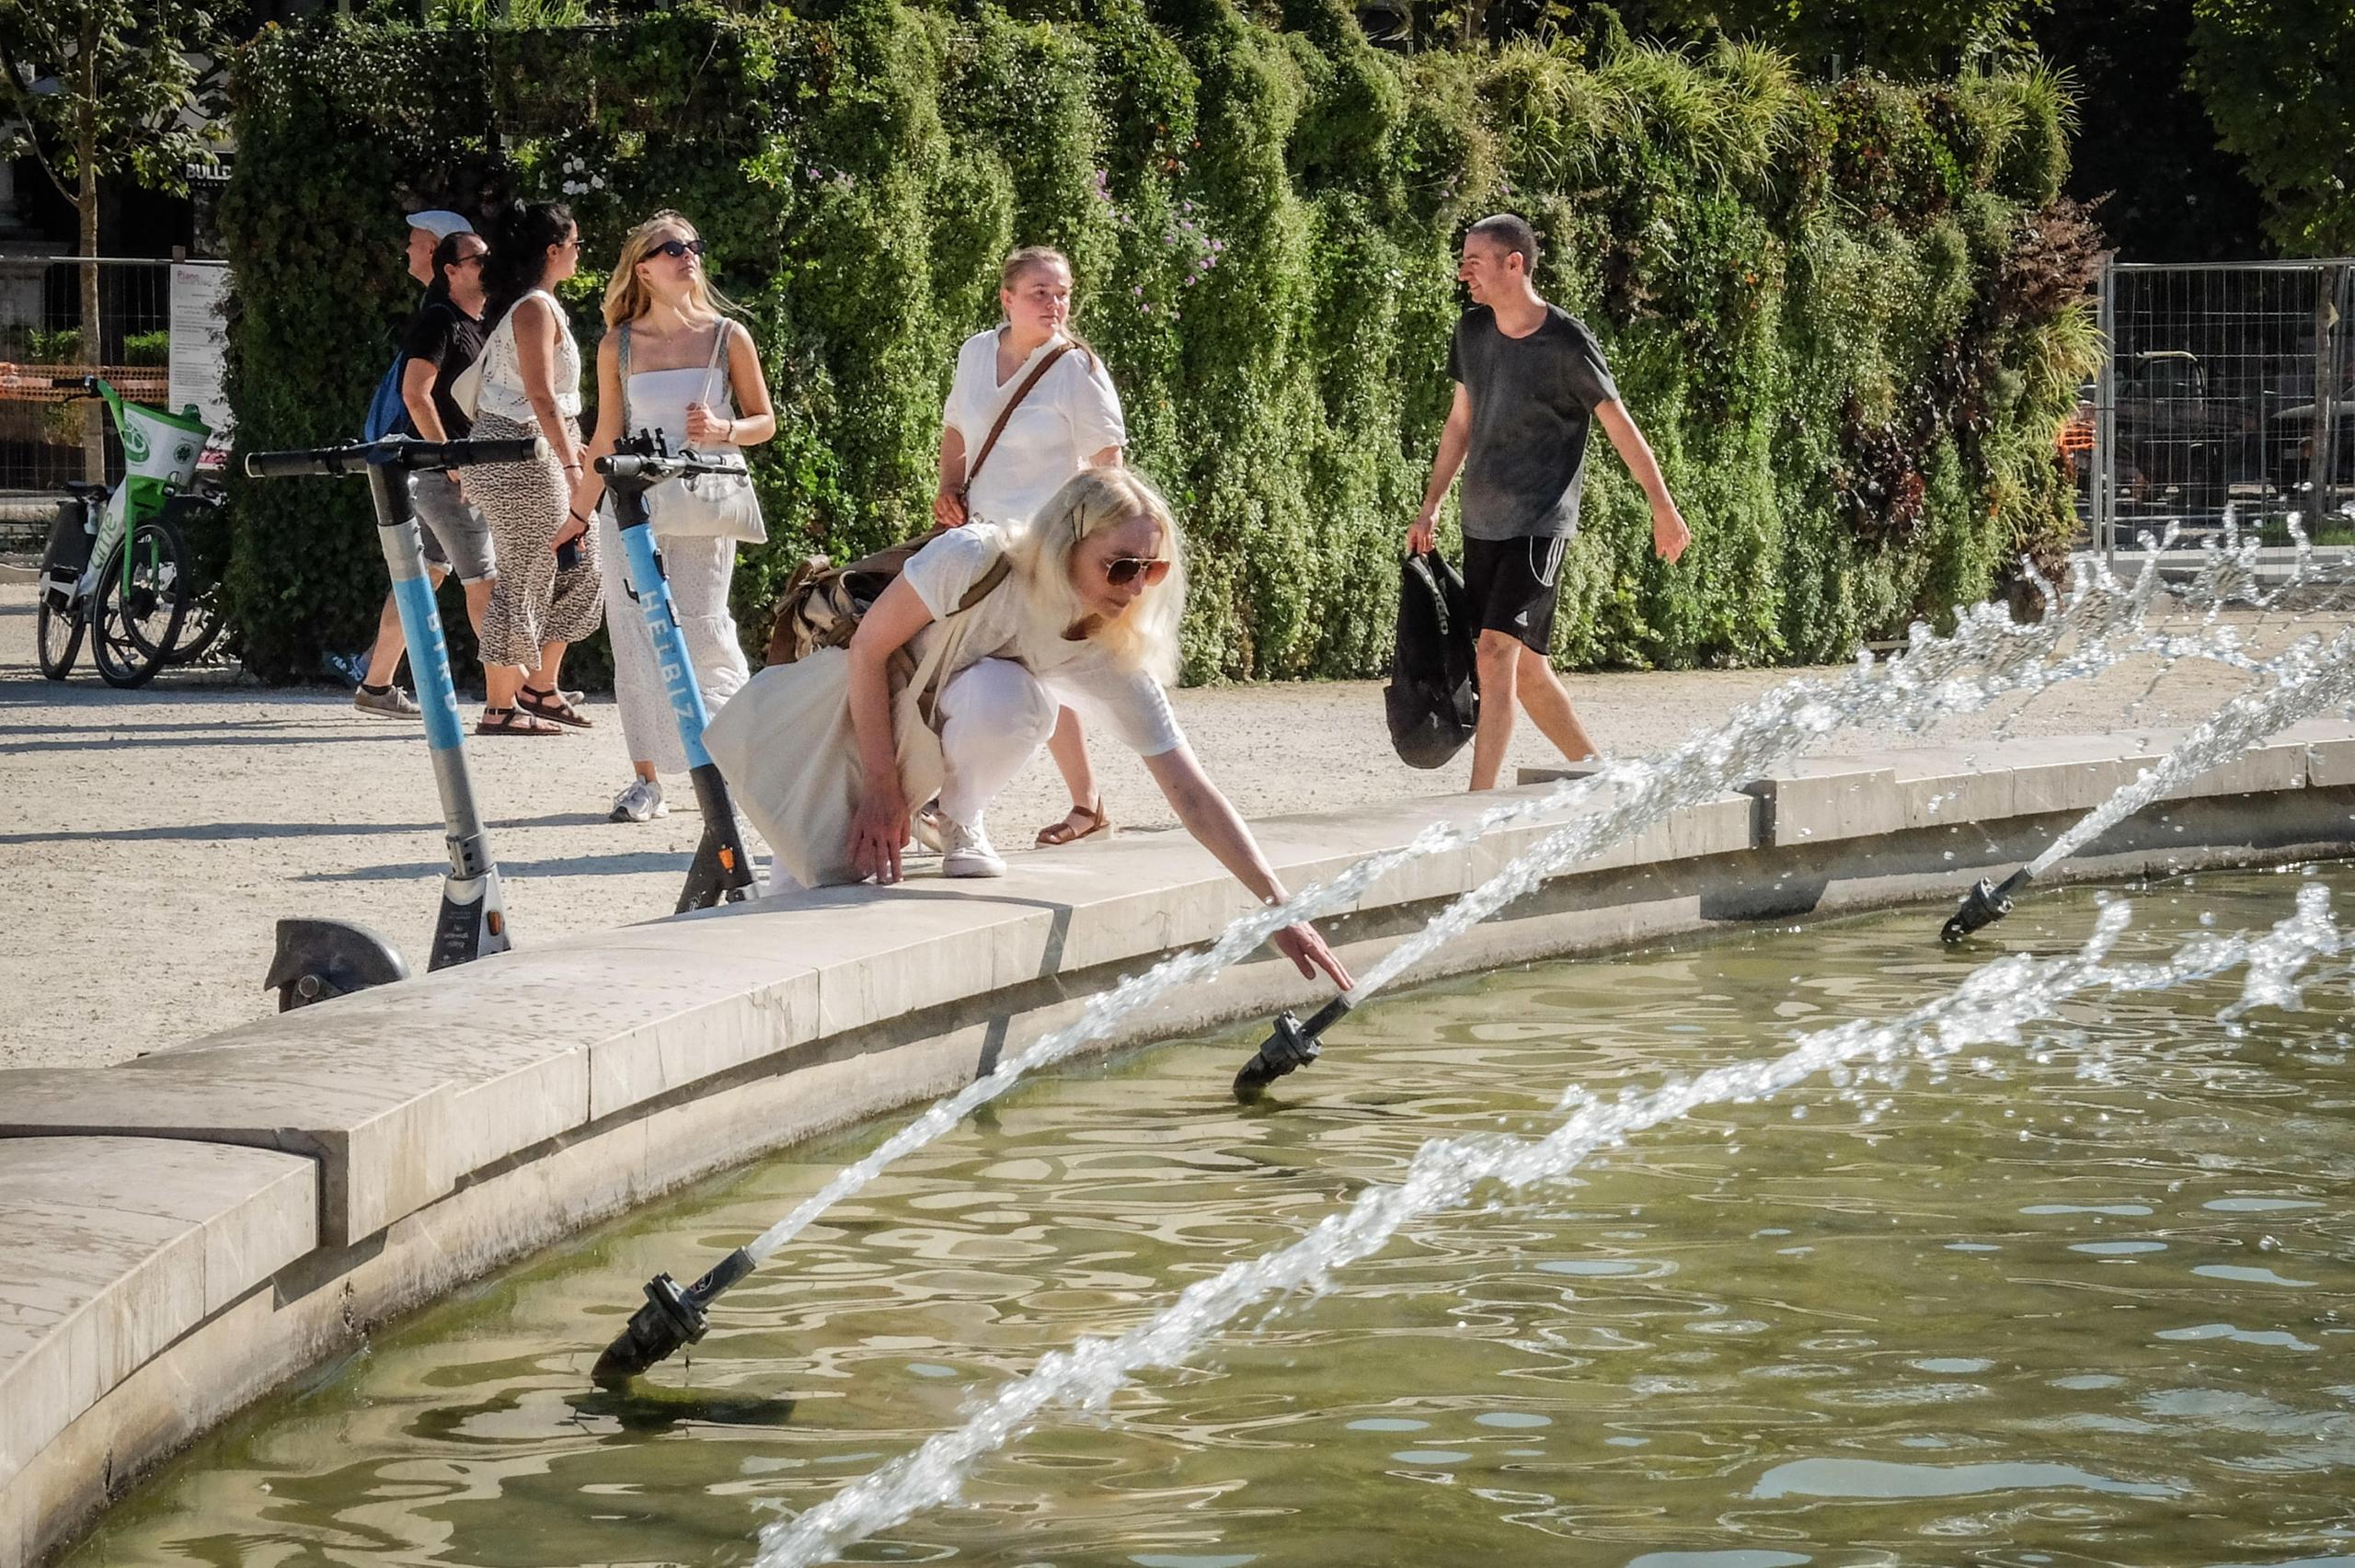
x,y
675,249
1122,570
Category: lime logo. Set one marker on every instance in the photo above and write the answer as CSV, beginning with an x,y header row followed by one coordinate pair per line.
x,y
181,453
134,444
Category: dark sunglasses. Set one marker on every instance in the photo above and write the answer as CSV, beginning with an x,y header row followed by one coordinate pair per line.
x,y
675,249
1122,570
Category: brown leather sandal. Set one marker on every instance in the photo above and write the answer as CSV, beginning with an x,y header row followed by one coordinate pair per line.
x,y
513,721
1056,834
551,706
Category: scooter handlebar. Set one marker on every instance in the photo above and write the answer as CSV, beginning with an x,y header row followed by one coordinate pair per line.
x,y
625,466
356,457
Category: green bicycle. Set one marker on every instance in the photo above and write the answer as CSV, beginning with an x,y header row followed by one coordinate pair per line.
x,y
118,566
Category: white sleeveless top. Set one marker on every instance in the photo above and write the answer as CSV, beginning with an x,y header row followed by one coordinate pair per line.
x,y
657,399
502,371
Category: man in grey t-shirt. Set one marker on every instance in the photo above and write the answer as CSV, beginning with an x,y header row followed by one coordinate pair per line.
x,y
1529,379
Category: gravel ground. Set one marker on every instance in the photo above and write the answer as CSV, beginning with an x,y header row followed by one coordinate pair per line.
x,y
159,833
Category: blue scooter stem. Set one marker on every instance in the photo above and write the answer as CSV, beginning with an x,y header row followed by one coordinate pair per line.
x,y
473,918
721,870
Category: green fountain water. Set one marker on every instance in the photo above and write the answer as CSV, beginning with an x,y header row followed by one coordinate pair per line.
x,y
2026,1312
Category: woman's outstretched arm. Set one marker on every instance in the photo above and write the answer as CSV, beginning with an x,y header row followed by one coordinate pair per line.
x,y
1212,819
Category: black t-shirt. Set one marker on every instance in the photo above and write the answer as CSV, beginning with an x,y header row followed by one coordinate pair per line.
x,y
1532,399
449,339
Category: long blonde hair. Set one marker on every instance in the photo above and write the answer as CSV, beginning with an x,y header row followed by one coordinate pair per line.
x,y
627,295
1146,636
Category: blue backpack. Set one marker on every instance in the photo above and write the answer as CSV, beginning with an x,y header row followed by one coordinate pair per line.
x,y
388,414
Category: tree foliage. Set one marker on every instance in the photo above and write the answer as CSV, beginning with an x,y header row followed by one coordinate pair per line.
x,y
1831,309
104,84
2279,80
1916,39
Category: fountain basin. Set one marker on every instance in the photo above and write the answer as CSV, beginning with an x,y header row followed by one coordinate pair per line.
x,y
2078,1295
458,1120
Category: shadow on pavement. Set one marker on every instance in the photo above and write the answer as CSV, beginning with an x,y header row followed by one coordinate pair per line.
x,y
203,832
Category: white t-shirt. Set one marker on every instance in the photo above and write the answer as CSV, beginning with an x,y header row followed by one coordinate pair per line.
x,y
1072,413
1080,674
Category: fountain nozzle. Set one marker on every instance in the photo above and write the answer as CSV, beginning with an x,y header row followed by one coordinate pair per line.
x,y
672,1318
1293,1046
1982,906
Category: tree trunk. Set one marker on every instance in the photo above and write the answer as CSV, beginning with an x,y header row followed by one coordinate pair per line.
x,y
85,157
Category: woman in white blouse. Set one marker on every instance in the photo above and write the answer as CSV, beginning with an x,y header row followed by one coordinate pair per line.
x,y
1086,611
1069,420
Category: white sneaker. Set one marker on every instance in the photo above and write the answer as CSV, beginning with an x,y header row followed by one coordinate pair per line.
x,y
929,829
641,802
966,851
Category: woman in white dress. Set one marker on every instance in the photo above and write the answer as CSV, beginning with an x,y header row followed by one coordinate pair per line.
x,y
1084,615
678,364
1069,419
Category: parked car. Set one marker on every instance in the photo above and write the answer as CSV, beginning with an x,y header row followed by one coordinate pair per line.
x,y
2180,447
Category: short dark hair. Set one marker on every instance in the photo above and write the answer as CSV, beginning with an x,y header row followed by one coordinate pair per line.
x,y
448,251
1510,234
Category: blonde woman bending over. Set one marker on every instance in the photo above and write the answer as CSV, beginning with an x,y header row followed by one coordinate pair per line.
x,y
1086,616
1069,420
674,358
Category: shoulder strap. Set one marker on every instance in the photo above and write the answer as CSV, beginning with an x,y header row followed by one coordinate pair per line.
x,y
621,364
988,580
720,338
989,442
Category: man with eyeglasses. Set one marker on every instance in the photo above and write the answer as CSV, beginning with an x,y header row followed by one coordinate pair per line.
x,y
442,338
429,231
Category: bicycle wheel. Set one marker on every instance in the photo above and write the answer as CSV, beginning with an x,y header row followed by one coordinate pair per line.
x,y
198,516
59,634
137,614
202,627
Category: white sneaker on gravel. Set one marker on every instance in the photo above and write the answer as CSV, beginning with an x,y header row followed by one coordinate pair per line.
x,y
641,802
965,851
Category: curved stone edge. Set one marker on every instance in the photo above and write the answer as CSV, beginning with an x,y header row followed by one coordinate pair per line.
x,y
444,1128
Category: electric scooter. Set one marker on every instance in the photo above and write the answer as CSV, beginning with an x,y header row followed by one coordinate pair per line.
x,y
318,958
721,870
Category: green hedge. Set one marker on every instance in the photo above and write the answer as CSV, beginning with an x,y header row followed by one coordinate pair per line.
x,y
1845,315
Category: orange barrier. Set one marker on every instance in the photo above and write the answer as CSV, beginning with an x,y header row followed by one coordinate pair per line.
x,y
2076,432
63,384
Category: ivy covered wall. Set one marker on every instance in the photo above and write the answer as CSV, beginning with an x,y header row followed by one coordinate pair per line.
x,y
1848,315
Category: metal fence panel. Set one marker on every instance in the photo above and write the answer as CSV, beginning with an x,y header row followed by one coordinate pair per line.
x,y
43,358
2219,403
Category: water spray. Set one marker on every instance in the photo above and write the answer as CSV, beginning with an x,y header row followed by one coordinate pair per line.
x,y
1994,1005
1934,679
2303,680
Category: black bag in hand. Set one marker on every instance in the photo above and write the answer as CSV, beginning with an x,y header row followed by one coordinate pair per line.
x,y
1433,698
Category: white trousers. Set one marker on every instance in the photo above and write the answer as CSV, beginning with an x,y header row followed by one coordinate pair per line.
x,y
994,715
699,570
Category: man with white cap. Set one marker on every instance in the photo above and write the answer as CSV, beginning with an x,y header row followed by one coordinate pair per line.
x,y
378,697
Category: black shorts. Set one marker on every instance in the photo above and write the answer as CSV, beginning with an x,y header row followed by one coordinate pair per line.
x,y
1513,584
